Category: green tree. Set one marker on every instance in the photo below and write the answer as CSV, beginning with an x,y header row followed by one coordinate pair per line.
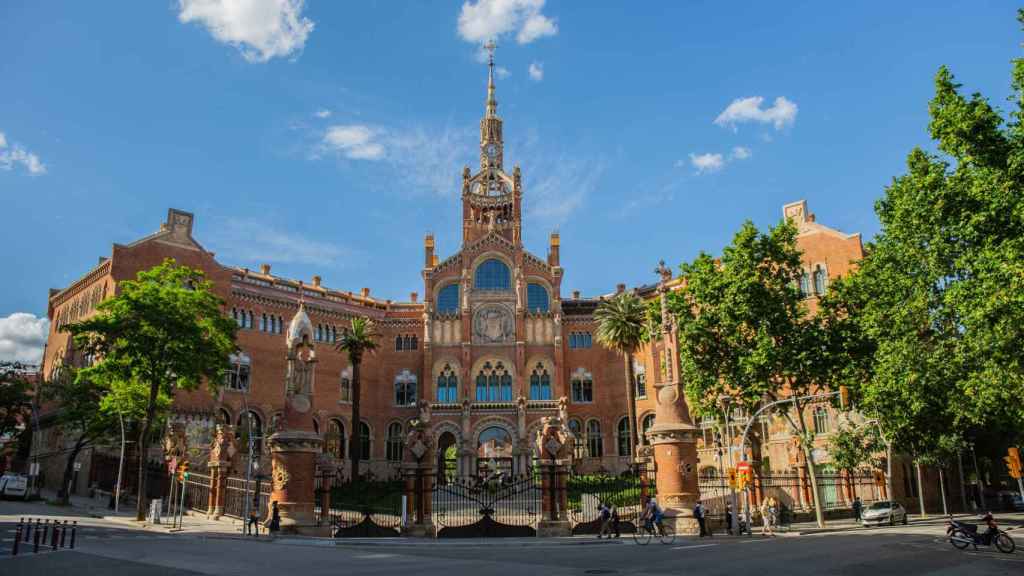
x,y
15,402
622,326
165,330
357,340
746,334
852,447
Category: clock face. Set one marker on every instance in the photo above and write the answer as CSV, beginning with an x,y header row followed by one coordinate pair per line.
x,y
491,150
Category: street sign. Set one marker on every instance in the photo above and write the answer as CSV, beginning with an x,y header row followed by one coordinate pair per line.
x,y
78,466
172,465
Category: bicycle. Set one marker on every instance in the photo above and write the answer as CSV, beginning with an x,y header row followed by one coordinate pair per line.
x,y
646,531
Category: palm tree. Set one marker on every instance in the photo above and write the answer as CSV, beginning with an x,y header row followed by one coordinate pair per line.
x,y
356,341
622,326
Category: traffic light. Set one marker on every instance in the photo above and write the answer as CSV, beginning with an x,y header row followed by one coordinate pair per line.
x,y
844,397
1013,463
182,471
732,477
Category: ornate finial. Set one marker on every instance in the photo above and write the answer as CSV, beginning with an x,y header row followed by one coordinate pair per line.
x,y
492,102
664,271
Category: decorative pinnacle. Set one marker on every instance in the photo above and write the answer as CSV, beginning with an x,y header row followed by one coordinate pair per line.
x,y
492,102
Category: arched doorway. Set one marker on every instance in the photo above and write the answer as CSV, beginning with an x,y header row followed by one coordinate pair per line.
x,y
494,452
447,458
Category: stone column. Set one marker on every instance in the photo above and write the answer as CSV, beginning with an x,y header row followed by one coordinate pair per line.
x,y
673,434
554,445
418,468
222,450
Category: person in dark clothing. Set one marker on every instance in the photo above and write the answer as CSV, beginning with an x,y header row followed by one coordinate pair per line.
x,y
615,521
857,506
253,525
699,513
728,519
275,519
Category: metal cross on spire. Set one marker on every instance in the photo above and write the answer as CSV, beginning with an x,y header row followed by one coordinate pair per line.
x,y
492,102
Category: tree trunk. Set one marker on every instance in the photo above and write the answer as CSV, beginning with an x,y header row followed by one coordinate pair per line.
x,y
143,445
888,472
813,475
942,490
920,490
64,494
963,484
355,444
631,404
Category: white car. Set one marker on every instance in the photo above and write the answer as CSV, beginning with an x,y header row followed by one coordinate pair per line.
x,y
13,485
882,513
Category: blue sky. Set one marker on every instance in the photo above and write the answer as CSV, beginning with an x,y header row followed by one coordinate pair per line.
x,y
328,137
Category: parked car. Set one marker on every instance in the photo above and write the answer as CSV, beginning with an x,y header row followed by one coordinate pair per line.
x,y
1018,502
883,512
13,485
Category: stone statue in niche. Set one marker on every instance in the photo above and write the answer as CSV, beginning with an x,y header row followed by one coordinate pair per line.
x,y
493,325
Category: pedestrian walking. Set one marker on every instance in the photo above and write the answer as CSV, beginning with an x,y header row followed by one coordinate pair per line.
x,y
615,521
728,519
700,513
766,516
253,525
274,526
857,506
605,515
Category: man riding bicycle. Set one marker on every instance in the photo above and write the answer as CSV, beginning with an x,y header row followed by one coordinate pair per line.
x,y
652,515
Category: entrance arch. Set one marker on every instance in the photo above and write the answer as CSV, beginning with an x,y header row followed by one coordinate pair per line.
x,y
447,457
494,451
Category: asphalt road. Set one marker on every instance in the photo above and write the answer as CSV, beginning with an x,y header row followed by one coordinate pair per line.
x,y
902,551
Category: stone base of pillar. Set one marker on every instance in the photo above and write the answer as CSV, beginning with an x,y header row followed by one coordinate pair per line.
x,y
296,518
554,528
218,511
682,522
421,531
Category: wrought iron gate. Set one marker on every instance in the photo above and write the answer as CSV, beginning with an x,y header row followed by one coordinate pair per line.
x,y
361,508
626,492
476,508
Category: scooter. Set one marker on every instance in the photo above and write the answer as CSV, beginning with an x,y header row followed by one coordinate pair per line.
x,y
961,535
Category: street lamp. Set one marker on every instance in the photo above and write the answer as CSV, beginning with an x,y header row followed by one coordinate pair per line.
x,y
725,401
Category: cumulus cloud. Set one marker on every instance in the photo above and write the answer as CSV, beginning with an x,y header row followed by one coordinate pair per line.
x,y
740,153
536,71
707,163
12,155
259,29
743,110
353,141
22,336
322,113
487,19
502,72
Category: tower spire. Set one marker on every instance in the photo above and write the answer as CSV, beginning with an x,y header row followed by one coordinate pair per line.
x,y
492,102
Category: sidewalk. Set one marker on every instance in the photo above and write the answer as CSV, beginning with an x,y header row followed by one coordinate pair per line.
x,y
1007,520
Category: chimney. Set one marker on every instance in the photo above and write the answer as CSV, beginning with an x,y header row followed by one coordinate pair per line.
x,y
575,294
553,246
365,292
414,297
620,288
316,281
265,269
428,251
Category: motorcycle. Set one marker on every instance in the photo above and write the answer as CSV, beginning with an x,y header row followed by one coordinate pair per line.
x,y
961,535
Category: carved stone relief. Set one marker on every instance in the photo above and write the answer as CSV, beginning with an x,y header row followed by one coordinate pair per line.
x,y
493,324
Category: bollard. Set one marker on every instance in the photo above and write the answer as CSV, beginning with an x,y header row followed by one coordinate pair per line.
x,y
53,535
74,525
28,529
35,542
63,533
17,540
46,531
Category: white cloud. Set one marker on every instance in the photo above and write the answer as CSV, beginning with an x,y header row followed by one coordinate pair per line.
x,y
322,113
255,241
739,153
536,71
353,141
706,163
487,19
742,110
259,29
22,336
14,154
502,72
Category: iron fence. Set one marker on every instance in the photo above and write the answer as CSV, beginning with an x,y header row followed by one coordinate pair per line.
x,y
239,491
485,507
625,492
358,508
197,492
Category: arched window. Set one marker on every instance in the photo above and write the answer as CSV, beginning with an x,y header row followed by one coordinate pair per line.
x,y
447,385
820,280
405,389
334,443
493,274
406,342
250,425
263,322
540,383
822,422
537,299
805,284
346,385
316,426
645,425
223,417
448,299
494,383
364,441
622,436
398,343
582,386
580,443
595,445
640,379
415,342
394,450
237,376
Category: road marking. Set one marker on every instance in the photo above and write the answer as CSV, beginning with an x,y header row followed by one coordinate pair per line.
x,y
755,541
374,556
694,546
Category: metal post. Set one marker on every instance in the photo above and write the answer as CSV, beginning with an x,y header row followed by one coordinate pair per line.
x,y
981,483
17,540
53,537
181,507
74,527
35,541
28,530
63,533
120,468
46,531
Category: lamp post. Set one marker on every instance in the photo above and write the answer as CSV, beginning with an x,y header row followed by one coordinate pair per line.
x,y
725,401
120,467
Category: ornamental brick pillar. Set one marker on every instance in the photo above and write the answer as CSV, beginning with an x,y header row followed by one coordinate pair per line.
x,y
554,446
294,446
673,434
222,450
418,469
